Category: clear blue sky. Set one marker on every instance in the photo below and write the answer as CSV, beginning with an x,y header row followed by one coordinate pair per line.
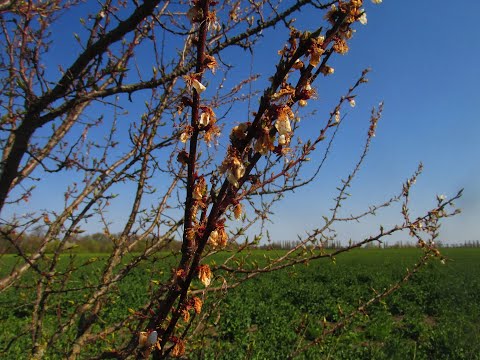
x,y
423,56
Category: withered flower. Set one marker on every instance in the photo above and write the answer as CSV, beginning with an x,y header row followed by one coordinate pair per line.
x,y
316,50
236,171
207,117
200,189
183,157
327,70
264,143
285,91
211,63
205,274
298,64
197,305
185,315
340,46
283,122
213,238
192,80
195,14
204,119
179,348
239,132
222,237
237,211
186,134
142,338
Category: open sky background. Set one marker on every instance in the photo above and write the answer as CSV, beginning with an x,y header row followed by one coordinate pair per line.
x,y
424,58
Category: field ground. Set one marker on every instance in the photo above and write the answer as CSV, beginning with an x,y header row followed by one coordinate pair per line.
x,y
435,316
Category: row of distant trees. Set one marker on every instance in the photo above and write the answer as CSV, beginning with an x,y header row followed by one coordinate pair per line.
x,y
102,243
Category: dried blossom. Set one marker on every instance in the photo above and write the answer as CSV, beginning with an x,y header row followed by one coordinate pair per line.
x,y
205,274
298,64
327,70
316,50
211,63
264,143
192,81
185,315
239,132
179,348
222,236
197,305
183,157
204,119
213,238
142,338
213,131
340,46
186,134
237,211
195,14
285,91
282,124
200,189
234,168
207,117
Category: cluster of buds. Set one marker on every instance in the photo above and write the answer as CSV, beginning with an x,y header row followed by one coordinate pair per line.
x,y
375,116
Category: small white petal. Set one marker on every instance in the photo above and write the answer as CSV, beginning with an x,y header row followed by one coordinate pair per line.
x,y
204,119
363,19
232,179
283,126
198,86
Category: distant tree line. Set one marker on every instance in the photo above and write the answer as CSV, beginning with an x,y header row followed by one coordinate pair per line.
x,y
104,243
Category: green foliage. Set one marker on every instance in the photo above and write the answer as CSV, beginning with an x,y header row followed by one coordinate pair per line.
x,y
434,316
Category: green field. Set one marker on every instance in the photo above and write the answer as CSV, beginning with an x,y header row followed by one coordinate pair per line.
x,y
435,316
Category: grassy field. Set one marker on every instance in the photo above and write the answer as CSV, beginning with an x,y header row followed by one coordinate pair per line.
x,y
435,316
